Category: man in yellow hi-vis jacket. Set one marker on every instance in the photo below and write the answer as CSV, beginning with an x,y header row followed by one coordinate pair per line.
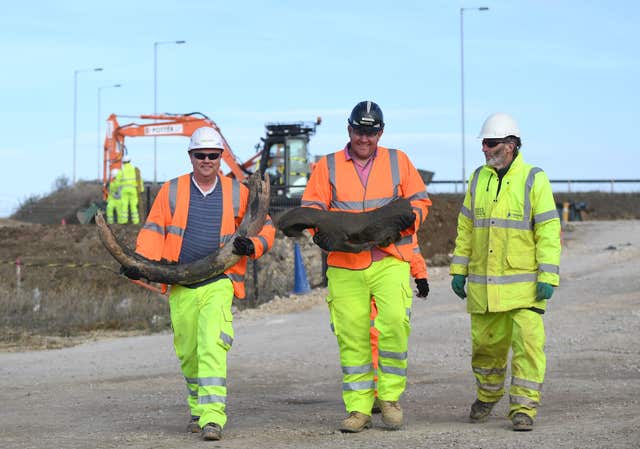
x,y
508,249
130,186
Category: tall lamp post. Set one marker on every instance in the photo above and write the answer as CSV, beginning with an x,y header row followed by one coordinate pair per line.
x,y
75,112
100,121
462,10
155,99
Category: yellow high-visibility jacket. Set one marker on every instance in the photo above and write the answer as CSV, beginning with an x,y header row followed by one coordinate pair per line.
x,y
507,241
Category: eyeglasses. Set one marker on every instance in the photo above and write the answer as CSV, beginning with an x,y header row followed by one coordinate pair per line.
x,y
369,132
492,143
203,156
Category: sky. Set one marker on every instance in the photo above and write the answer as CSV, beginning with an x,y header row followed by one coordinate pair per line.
x,y
567,71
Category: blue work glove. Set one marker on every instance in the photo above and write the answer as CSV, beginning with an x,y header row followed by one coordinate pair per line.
x,y
543,291
423,287
243,246
457,285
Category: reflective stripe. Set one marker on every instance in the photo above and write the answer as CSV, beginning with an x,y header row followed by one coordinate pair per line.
x,y
313,203
191,380
212,382
331,167
545,216
175,230
372,323
226,338
208,399
361,369
521,400
173,195
373,203
466,212
395,170
393,355
235,195
417,250
490,387
356,386
528,384
509,279
235,277
462,260
406,240
419,196
548,268
418,212
502,223
263,242
393,370
488,371
474,186
408,312
193,393
154,227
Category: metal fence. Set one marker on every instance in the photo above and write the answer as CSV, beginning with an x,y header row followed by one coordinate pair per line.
x,y
560,185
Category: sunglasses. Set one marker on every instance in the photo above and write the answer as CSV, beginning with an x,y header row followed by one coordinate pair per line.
x,y
492,143
365,131
203,156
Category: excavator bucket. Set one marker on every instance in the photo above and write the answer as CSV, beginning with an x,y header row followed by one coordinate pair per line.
x,y
86,215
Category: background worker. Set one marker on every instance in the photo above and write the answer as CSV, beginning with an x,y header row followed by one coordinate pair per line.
x,y
359,178
113,200
508,247
129,182
193,216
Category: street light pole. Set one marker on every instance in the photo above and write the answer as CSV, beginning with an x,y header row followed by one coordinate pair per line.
x,y
75,112
462,10
155,100
100,121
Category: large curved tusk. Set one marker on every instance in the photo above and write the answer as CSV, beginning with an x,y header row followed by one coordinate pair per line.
x,y
205,268
354,232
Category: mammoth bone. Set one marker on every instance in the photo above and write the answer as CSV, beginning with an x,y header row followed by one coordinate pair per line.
x,y
351,232
202,269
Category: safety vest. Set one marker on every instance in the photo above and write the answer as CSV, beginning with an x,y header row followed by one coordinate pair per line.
x,y
161,236
335,186
508,240
127,176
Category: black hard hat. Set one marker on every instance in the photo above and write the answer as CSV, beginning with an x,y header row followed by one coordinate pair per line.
x,y
366,114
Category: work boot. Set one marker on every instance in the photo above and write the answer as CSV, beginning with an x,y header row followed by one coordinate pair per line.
x,y
193,426
376,406
391,414
522,422
355,422
480,410
211,431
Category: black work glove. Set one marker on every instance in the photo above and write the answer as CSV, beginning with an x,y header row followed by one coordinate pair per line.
x,y
243,246
130,272
405,221
323,240
423,288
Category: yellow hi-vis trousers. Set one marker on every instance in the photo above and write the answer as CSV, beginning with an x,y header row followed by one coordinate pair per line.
x,y
128,203
203,333
349,303
492,334
113,205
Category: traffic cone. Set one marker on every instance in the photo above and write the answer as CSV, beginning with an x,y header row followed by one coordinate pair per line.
x,y
301,284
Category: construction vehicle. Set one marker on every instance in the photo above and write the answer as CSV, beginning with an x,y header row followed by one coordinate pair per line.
x,y
283,152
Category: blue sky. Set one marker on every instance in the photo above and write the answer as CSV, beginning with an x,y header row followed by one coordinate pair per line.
x,y
568,71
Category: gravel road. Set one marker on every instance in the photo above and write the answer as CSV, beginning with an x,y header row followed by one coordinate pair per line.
x,y
284,376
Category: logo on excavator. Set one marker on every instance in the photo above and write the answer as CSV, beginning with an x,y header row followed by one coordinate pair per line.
x,y
162,129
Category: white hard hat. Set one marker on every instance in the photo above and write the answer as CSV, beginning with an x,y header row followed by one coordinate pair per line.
x,y
206,137
499,125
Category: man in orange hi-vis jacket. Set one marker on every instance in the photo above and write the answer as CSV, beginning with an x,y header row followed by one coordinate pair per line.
x,y
359,178
193,216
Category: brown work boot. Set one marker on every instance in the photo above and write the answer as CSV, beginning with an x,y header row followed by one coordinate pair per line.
x,y
376,406
522,422
193,426
355,422
211,431
391,414
480,410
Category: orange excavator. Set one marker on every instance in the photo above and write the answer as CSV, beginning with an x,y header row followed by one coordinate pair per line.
x,y
283,153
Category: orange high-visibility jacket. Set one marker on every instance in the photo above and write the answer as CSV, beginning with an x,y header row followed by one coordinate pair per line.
x,y
335,185
161,236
